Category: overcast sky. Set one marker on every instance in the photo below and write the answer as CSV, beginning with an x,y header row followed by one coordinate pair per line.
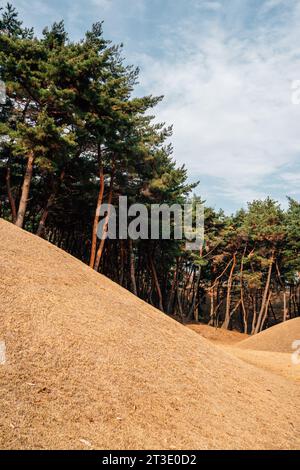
x,y
225,68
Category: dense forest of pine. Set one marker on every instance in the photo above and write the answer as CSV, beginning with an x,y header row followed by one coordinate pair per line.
x,y
74,135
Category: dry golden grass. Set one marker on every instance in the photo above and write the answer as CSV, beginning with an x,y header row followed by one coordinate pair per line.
x,y
217,335
276,362
279,338
91,366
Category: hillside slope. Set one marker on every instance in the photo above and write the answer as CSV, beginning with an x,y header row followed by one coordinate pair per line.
x,y
88,365
279,338
217,335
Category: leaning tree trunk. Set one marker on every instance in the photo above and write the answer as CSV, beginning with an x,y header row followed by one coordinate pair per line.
x,y
122,257
254,304
245,315
157,286
195,294
212,306
96,218
132,268
41,228
283,286
285,309
25,191
266,312
265,298
226,322
104,233
179,303
173,289
51,200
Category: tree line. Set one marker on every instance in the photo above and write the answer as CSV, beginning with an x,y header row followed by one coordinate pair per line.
x,y
74,136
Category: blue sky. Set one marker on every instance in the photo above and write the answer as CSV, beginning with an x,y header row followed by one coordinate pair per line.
x,y
225,68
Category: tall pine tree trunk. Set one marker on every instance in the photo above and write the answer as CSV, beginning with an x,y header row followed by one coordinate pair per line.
x,y
51,200
265,297
105,226
245,316
254,302
212,305
266,312
25,191
173,288
97,216
226,322
194,298
41,228
132,267
157,286
285,309
179,303
122,257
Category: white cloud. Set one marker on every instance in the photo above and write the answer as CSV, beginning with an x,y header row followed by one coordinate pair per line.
x,y
230,101
210,5
292,179
102,3
226,78
270,4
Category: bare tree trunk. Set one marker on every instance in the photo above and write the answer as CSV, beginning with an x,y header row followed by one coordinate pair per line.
x,y
96,218
282,283
132,268
102,242
11,199
179,304
212,306
192,309
265,297
42,222
173,288
295,305
121,278
41,228
254,313
25,191
157,286
266,312
245,317
285,309
228,298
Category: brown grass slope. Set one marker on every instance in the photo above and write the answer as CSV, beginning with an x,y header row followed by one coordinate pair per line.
x,y
217,335
90,365
279,338
276,362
